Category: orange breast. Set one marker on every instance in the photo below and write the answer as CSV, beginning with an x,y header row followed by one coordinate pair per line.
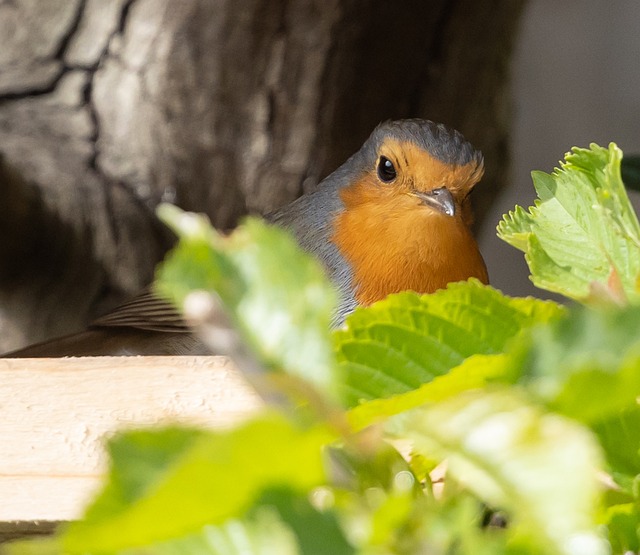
x,y
393,244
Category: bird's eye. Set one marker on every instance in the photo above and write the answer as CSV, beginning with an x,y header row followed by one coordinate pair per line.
x,y
386,170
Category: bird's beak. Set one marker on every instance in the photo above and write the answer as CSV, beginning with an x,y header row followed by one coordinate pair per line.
x,y
440,199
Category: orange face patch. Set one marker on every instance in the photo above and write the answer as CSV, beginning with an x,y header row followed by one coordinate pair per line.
x,y
393,242
418,169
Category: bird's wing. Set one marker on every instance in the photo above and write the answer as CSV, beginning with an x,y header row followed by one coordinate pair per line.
x,y
145,311
116,341
131,329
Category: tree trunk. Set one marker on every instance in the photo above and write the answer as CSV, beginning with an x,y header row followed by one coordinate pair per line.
x,y
108,107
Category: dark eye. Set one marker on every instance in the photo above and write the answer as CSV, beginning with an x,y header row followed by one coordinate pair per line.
x,y
386,170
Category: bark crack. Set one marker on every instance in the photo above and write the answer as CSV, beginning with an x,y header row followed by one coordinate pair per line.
x,y
58,56
88,90
71,31
95,121
38,91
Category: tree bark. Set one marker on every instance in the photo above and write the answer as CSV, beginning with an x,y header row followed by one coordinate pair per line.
x,y
108,107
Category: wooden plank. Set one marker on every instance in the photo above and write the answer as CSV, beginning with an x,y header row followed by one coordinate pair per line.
x,y
55,414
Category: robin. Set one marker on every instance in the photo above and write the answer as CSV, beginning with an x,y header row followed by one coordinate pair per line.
x,y
395,216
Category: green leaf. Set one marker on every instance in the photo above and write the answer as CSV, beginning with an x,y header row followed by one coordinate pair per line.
x,y
277,295
456,527
317,533
32,546
619,436
138,459
406,340
623,524
475,372
281,523
582,229
264,534
586,364
214,477
392,514
540,467
370,463
453,525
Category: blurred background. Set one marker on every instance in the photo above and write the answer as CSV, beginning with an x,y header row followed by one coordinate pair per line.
x,y
109,107
576,77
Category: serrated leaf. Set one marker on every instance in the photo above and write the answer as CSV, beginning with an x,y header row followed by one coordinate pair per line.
x,y
406,340
585,365
540,467
215,477
582,229
278,296
475,372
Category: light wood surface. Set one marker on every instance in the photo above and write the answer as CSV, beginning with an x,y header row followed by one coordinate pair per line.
x,y
56,413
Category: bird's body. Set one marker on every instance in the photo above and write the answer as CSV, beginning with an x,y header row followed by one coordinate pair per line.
x,y
379,237
393,217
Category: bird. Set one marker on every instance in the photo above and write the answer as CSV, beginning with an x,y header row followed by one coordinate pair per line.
x,y
395,216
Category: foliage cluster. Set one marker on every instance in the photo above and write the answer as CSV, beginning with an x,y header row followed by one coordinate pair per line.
x,y
515,410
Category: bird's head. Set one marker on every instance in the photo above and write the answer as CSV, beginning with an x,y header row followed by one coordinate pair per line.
x,y
414,168
406,210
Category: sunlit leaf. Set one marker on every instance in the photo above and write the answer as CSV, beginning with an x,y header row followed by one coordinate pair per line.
x,y
210,479
582,228
281,523
540,467
585,365
278,296
475,372
265,534
407,340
